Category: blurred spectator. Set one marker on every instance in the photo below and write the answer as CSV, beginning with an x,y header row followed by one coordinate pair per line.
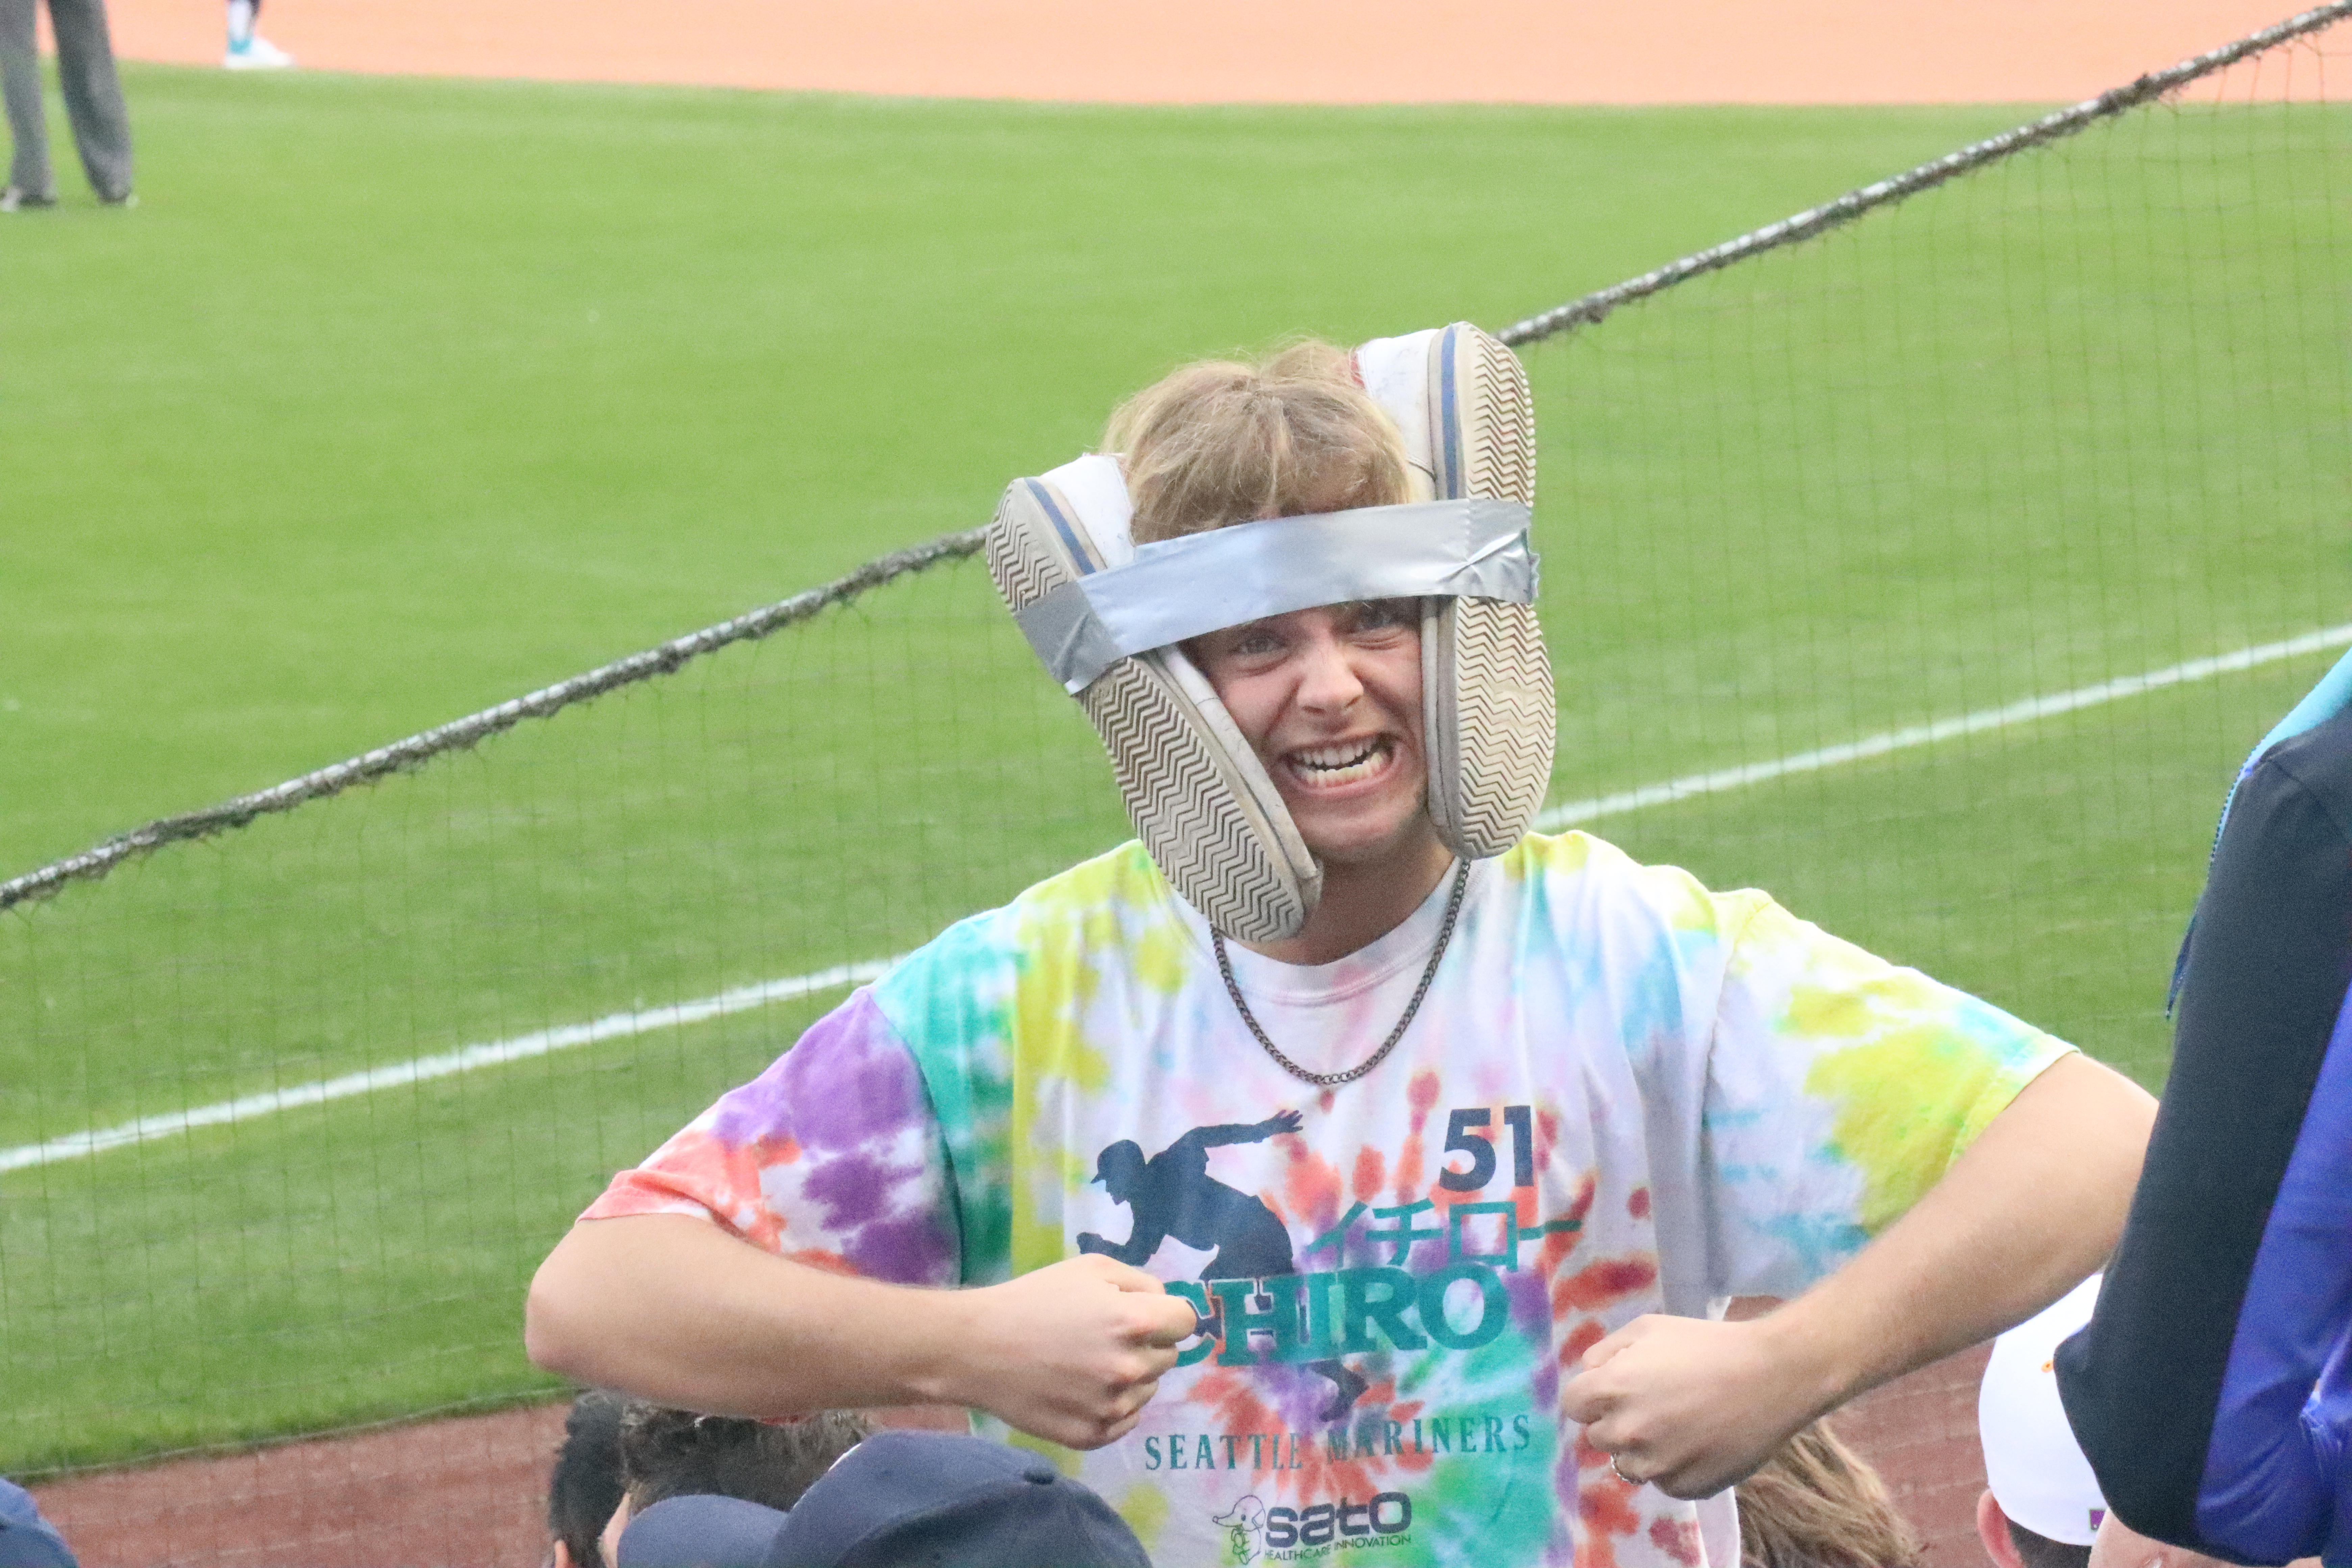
x,y
586,1487
1818,1504
248,49
26,1540
899,1498
2045,1509
101,127
667,1453
2042,1507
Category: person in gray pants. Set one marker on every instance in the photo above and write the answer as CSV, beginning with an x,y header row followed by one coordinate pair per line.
x,y
93,102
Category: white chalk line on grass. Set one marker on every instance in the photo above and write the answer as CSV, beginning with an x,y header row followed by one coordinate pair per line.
x,y
618,1026
447,1064
1976,723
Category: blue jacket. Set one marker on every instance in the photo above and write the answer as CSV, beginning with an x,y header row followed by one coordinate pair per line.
x,y
26,1540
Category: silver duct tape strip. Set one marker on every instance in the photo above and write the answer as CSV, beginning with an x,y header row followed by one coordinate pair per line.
x,y
1181,588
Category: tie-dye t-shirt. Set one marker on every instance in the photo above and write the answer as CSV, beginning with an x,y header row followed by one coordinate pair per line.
x,y
1623,1094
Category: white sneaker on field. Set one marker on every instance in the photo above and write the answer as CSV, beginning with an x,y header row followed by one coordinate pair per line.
x,y
257,54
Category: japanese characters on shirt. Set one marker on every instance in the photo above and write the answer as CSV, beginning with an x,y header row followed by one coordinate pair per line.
x,y
1624,1094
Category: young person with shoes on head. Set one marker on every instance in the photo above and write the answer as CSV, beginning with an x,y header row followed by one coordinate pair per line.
x,y
2212,1389
93,94
248,49
1343,1164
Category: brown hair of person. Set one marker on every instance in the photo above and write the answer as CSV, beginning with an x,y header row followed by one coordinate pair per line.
x,y
667,1453
1223,442
1818,1504
586,1487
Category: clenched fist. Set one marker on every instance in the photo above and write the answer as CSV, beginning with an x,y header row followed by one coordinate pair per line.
x,y
1691,1406
1071,1352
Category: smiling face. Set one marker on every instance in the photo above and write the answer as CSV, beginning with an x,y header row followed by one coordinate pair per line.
x,y
1330,700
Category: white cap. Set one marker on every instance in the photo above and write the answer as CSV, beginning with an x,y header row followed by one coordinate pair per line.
x,y
2033,1463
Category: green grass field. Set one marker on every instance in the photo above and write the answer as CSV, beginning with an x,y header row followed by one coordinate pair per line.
x,y
395,399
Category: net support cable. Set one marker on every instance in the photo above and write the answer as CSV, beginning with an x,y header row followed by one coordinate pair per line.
x,y
1813,221
458,734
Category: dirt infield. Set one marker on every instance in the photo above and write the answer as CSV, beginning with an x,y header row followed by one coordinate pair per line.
x,y
1299,51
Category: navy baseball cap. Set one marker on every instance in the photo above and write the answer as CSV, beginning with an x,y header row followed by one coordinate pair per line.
x,y
26,1540
699,1532
898,1499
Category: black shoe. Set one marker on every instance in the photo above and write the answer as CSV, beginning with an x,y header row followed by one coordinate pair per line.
x,y
14,199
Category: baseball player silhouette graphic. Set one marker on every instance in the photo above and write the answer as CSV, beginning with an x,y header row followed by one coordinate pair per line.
x,y
1172,1194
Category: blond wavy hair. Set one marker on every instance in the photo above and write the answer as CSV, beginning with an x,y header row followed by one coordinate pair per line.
x,y
1818,1504
1221,442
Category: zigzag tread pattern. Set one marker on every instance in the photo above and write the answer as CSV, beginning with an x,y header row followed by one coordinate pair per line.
x,y
1499,412
1186,810
1504,703
1022,569
1507,725
1172,774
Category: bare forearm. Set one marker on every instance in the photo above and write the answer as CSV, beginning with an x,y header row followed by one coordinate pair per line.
x,y
677,1309
2036,1203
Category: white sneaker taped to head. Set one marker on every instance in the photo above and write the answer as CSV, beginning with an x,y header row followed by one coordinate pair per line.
x,y
1106,618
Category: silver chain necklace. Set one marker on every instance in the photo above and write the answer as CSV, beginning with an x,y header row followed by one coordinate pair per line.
x,y
1334,1080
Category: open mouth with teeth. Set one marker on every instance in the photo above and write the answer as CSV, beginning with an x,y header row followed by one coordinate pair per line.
x,y
1341,764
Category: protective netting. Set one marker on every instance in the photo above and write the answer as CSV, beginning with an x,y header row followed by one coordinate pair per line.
x,y
1934,573
692,868
1922,560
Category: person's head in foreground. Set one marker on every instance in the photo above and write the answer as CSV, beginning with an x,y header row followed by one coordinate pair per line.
x,y
2041,1506
26,1540
898,1500
1346,1167
667,1453
1818,1504
586,1487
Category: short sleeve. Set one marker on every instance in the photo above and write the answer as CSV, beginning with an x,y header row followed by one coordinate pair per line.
x,y
831,1157
1840,1088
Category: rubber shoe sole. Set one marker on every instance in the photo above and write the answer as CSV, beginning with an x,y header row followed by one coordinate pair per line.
x,y
1196,792
1492,718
